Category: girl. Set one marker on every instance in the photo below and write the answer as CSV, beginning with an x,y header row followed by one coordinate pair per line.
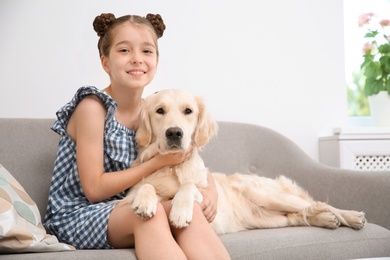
x,y
97,147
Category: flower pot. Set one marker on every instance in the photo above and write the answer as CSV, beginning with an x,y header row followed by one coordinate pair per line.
x,y
380,108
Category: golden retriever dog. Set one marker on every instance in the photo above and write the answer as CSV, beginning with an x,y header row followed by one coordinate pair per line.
x,y
175,120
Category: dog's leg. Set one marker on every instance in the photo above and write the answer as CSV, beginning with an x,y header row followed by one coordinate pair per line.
x,y
183,204
318,214
190,174
275,201
321,214
144,202
295,206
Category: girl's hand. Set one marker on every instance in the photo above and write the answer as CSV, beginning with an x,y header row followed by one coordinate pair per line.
x,y
210,199
172,159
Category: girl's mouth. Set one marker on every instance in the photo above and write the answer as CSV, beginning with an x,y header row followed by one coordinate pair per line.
x,y
136,72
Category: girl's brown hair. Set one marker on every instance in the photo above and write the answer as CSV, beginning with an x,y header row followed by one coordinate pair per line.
x,y
105,24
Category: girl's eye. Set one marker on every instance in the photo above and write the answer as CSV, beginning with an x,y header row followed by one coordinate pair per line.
x,y
148,51
123,50
187,111
160,111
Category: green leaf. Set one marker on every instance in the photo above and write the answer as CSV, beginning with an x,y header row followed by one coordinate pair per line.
x,y
372,86
371,34
384,48
385,65
368,58
373,70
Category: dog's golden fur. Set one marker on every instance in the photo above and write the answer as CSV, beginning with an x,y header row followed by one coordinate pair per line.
x,y
175,120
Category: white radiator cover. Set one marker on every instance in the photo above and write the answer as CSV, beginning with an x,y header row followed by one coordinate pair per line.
x,y
366,149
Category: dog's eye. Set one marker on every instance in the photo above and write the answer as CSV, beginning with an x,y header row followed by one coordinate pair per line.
x,y
160,111
187,111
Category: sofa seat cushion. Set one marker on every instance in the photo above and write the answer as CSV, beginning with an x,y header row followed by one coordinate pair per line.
x,y
283,243
309,243
87,254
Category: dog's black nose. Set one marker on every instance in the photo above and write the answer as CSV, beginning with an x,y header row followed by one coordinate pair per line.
x,y
174,133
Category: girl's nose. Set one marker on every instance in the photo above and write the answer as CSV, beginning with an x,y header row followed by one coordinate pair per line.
x,y
136,58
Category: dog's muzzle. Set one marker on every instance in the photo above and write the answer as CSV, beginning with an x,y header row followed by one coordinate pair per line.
x,y
174,136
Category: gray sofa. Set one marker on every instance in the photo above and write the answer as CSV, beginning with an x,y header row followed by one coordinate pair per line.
x,y
28,148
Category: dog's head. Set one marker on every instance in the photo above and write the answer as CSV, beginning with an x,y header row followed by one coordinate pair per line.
x,y
174,119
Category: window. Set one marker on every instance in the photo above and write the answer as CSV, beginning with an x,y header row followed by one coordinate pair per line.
x,y
354,42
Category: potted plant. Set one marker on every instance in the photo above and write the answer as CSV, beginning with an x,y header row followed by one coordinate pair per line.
x,y
376,66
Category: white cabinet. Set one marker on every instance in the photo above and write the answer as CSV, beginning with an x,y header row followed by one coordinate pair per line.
x,y
357,148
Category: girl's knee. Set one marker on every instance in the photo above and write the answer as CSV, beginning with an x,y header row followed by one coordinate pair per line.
x,y
159,218
160,212
198,212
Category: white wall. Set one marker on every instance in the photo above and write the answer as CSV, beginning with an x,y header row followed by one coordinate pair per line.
x,y
276,63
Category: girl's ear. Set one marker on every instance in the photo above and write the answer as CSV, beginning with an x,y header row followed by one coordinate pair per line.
x,y
104,62
206,126
144,131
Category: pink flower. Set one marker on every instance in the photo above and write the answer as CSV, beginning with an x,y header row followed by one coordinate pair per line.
x,y
365,18
368,47
385,22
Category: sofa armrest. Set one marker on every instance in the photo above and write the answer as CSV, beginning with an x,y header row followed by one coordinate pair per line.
x,y
347,189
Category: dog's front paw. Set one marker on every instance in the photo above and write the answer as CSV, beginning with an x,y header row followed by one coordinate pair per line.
x,y
145,202
183,205
181,216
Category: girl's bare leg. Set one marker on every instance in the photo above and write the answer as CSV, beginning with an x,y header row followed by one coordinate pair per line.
x,y
152,238
198,240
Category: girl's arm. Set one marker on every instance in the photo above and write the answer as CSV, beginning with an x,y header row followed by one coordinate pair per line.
x,y
86,128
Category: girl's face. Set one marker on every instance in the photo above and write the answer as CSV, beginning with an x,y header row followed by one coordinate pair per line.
x,y
132,60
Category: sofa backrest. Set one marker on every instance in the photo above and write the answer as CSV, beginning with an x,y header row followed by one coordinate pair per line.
x,y
27,150
252,149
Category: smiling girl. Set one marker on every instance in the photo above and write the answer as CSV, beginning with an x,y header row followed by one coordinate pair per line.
x,y
97,147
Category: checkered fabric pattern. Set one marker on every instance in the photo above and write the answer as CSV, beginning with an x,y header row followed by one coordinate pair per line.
x,y
70,216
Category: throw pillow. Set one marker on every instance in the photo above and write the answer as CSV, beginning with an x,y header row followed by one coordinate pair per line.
x,y
21,229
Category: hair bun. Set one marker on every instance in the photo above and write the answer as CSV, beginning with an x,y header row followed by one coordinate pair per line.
x,y
102,23
157,23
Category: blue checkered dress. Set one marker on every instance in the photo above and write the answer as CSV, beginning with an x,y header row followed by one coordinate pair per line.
x,y
70,216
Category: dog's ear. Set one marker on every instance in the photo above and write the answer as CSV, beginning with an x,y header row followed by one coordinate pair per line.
x,y
206,126
144,131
